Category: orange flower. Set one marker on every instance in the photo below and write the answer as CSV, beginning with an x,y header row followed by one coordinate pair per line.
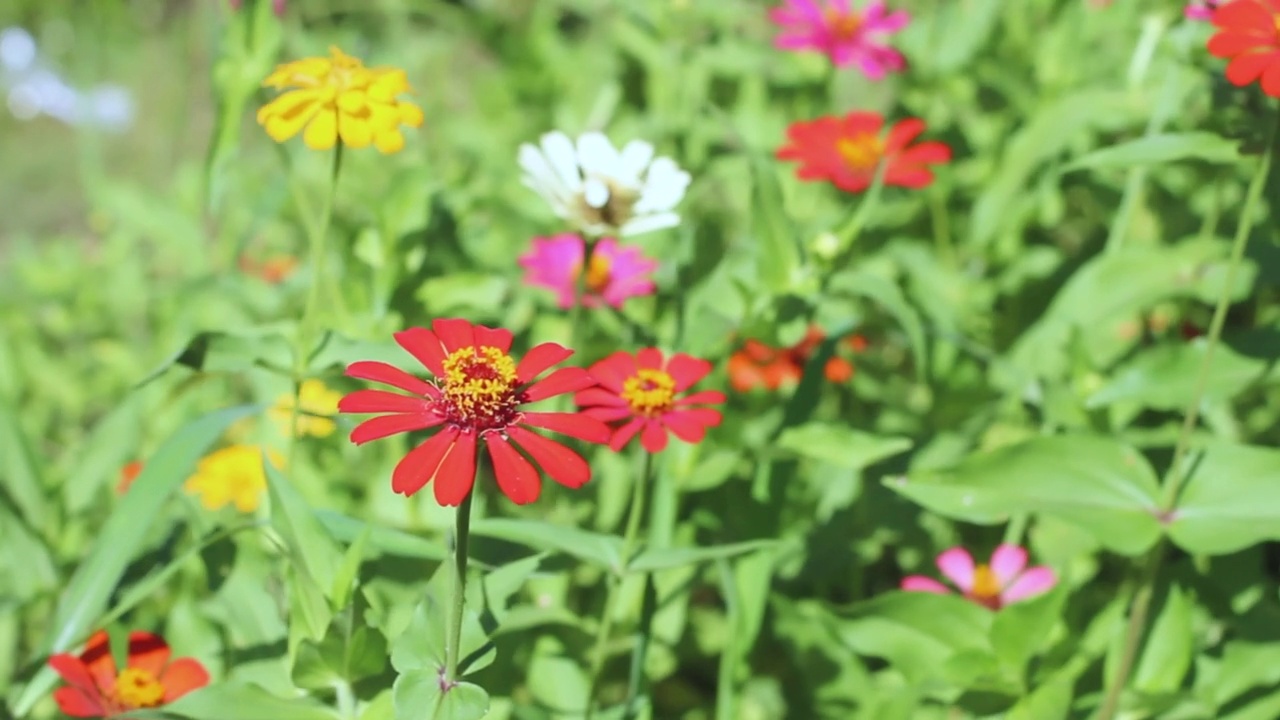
x,y
273,270
846,151
757,364
128,474
96,689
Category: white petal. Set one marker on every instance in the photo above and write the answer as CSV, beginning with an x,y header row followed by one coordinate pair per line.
x,y
664,186
597,155
595,192
538,171
557,203
559,151
635,158
649,223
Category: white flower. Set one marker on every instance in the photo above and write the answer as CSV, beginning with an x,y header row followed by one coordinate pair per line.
x,y
602,190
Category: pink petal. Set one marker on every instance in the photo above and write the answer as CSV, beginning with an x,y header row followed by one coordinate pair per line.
x,y
957,565
605,413
1006,562
614,370
598,396
1033,582
705,397
920,583
623,435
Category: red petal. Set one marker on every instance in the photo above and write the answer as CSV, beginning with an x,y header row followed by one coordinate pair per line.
x,y
561,381
653,437
706,397
687,370
691,425
457,472
614,370
389,375
560,463
624,434
859,122
454,333
1228,43
380,427
902,134
97,659
926,153
381,401
599,396
608,414
1244,16
576,425
539,359
1271,79
493,337
908,177
148,652
517,479
417,467
74,671
181,677
75,702
1247,68
425,346
649,358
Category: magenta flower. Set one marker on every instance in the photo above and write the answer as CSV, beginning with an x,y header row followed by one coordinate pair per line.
x,y
1201,9
1005,580
847,35
614,273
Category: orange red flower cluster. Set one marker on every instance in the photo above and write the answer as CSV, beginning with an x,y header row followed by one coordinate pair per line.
x,y
1249,35
96,688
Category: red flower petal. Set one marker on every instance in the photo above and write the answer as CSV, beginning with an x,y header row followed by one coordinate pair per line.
x,y
691,425
380,427
1271,78
1229,43
605,413
560,463
97,659
181,677
576,425
425,346
687,370
926,153
653,438
623,435
390,375
457,472
706,397
599,396
74,702
419,465
1248,68
148,652
649,358
493,337
74,672
1244,15
857,123
902,134
517,479
454,333
538,359
379,401
561,381
614,370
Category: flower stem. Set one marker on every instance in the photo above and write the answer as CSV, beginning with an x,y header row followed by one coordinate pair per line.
x,y
603,631
460,540
1176,474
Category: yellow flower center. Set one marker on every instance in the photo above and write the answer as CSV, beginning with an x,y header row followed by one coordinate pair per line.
x,y
137,688
345,71
598,269
650,392
844,26
479,388
862,151
986,587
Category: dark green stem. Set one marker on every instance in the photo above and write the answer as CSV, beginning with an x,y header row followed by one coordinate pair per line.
x,y
453,641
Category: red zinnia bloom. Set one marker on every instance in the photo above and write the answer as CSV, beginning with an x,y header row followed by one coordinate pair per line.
x,y
1249,34
477,395
846,151
643,388
758,364
96,689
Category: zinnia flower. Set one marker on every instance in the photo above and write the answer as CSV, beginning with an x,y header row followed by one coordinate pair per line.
x,y
603,191
614,273
1248,34
848,36
478,395
338,97
1201,9
1001,582
231,475
757,364
317,404
96,689
642,389
128,474
846,151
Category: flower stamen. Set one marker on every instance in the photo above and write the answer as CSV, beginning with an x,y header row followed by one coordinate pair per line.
x,y
650,392
844,26
986,586
138,688
598,273
862,151
479,388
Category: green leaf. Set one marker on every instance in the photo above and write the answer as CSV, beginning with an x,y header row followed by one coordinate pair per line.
x,y
422,645
1160,148
1166,377
1047,701
603,550
917,632
664,558
113,442
1023,629
267,347
1231,499
886,293
312,548
779,255
383,539
418,696
841,446
250,702
85,598
23,484
1170,647
349,652
1097,484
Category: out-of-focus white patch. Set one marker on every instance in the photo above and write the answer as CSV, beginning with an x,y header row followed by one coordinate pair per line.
x,y
31,90
17,49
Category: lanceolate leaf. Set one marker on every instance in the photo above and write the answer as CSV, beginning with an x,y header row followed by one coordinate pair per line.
x,y
1231,500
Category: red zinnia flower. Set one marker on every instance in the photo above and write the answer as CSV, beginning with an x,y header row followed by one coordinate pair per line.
x,y
96,689
1249,34
644,388
477,395
846,151
758,364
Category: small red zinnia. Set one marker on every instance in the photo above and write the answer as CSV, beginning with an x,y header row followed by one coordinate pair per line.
x,y
643,388
95,688
1249,34
757,364
846,151
478,395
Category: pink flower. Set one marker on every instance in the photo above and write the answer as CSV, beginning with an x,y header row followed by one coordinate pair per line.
x,y
614,273
277,6
1006,580
1201,9
848,36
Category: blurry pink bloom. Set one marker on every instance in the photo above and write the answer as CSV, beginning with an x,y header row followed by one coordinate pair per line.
x,y
277,6
1201,9
847,35
614,273
1006,580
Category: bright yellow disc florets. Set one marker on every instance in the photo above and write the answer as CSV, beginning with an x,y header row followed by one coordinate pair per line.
x,y
650,392
137,688
479,387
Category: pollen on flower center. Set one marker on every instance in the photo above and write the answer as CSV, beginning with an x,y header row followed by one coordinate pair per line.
x,y
137,688
479,388
616,209
862,151
844,26
598,273
986,586
649,392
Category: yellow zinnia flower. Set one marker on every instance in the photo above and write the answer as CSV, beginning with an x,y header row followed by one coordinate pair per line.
x,y
231,475
318,403
338,97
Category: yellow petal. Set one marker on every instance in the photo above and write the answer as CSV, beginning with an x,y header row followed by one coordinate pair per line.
x,y
355,131
410,114
289,104
387,85
322,133
351,102
389,142
283,127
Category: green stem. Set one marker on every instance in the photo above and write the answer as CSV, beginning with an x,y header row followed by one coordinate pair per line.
x,y
461,537
1014,530
1176,474
605,629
